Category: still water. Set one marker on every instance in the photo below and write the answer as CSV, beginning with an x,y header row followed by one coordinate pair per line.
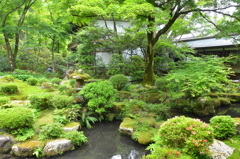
x,y
105,142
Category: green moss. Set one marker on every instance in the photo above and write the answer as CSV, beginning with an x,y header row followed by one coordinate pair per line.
x,y
24,90
237,120
128,123
225,101
118,106
31,144
149,120
72,124
45,118
83,76
234,142
144,137
124,95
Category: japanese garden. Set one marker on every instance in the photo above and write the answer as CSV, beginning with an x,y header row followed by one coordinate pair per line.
x,y
164,76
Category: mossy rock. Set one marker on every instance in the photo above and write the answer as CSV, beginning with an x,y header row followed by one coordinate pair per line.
x,y
127,126
232,96
150,97
118,106
225,101
124,95
149,120
83,76
26,148
205,106
213,95
144,137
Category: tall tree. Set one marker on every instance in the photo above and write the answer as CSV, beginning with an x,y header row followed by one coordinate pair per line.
x,y
13,14
156,17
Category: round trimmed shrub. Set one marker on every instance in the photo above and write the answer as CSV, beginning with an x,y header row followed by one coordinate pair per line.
x,y
14,118
22,77
32,81
99,96
77,137
224,126
41,100
56,81
8,78
51,131
191,136
119,81
62,101
4,100
42,80
9,88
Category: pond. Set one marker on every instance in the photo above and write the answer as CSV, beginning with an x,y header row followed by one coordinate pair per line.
x,y
105,142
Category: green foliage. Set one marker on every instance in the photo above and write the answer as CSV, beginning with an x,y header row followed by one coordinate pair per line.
x,y
4,100
164,153
68,114
224,126
200,76
72,82
60,119
162,110
131,106
9,88
161,84
15,118
22,77
191,136
32,81
51,131
116,65
136,67
23,134
77,137
62,101
38,152
56,81
100,96
41,101
119,81
87,119
62,89
8,78
41,80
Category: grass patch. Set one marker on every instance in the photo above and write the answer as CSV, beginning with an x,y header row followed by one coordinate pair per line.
x,y
24,90
235,143
45,118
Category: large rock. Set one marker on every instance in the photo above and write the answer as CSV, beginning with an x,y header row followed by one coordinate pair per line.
x,y
57,147
26,148
5,143
67,129
220,150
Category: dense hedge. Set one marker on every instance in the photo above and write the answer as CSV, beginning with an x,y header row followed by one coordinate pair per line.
x,y
14,118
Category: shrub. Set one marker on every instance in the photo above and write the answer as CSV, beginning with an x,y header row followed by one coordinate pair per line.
x,y
9,88
22,77
41,100
136,67
8,78
56,81
100,96
14,118
72,82
77,138
62,88
119,81
4,100
51,131
23,134
161,84
62,101
32,81
40,81
191,136
71,114
224,126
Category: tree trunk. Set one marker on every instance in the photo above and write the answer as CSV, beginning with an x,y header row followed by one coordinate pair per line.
x,y
148,78
149,64
53,58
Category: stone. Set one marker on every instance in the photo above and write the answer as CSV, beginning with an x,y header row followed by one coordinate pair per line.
x,y
26,149
5,144
220,150
67,129
57,147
